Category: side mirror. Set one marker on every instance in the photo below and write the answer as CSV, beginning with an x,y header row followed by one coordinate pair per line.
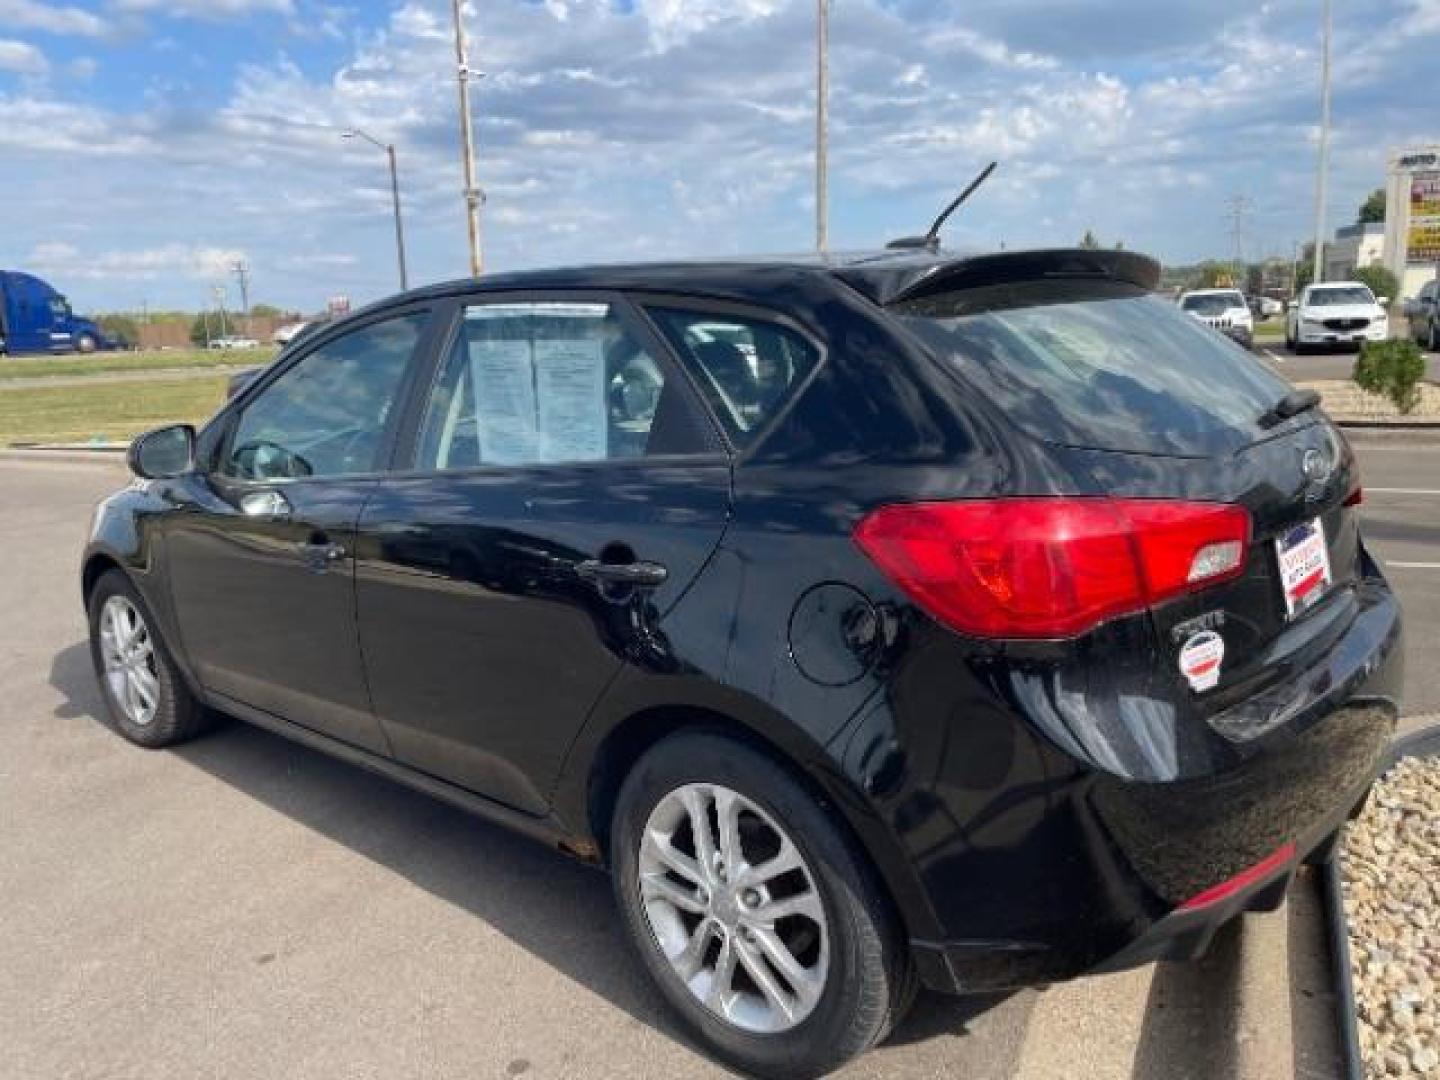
x,y
1291,305
1383,301
163,453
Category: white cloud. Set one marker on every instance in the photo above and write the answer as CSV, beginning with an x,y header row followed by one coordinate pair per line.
x,y
33,15
205,9
22,58
147,264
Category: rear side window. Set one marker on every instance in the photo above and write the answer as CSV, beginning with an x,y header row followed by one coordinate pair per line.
x,y
747,368
1100,364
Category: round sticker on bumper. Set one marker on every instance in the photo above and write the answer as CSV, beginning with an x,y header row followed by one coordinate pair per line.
x,y
1200,659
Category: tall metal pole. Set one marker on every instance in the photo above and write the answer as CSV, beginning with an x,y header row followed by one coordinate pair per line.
x,y
399,228
1317,264
389,148
473,196
822,122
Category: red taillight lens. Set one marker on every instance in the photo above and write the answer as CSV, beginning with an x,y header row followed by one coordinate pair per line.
x,y
1356,496
1045,568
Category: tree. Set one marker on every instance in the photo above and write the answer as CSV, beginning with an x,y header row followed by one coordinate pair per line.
x,y
266,311
1215,275
1381,281
1304,268
1373,208
1089,242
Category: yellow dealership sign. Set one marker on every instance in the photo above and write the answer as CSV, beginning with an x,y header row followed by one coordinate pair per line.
x,y
1422,242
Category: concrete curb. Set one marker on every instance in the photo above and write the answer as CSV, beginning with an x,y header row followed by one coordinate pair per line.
x,y
105,458
1264,1031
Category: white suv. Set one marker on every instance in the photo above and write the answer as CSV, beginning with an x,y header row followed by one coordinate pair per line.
x,y
1224,309
1336,313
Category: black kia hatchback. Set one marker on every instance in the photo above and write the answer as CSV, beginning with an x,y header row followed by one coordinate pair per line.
x,y
973,621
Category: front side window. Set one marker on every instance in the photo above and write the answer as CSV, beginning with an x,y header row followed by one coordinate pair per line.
x,y
550,382
326,415
746,367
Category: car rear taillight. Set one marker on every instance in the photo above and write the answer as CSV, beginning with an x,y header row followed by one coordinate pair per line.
x,y
1054,567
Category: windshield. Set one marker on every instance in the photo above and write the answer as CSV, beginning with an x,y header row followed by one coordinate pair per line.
x,y
1099,364
1351,294
1212,303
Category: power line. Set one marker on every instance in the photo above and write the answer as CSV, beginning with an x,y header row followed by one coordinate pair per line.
x,y
1238,207
241,269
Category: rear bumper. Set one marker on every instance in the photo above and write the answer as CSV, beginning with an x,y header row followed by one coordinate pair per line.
x,y
1123,862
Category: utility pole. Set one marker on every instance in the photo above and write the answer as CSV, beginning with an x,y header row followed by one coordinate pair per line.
x,y
822,125
1317,265
1237,208
389,148
473,195
218,291
241,269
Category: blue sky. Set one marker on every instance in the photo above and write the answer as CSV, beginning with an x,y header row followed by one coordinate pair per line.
x,y
145,144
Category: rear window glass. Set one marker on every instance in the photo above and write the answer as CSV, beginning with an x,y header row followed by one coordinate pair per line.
x,y
1099,364
747,368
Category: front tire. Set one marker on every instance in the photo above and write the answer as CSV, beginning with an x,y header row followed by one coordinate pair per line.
x,y
86,344
147,698
1434,344
762,925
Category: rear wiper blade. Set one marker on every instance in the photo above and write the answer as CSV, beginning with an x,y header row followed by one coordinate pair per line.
x,y
1292,404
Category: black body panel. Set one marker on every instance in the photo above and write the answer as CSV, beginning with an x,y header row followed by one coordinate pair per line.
x,y
1034,808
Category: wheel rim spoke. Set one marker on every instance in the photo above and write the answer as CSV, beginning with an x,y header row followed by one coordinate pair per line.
x,y
659,887
764,978
750,944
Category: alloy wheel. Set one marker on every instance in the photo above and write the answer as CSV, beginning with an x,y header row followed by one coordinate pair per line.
x,y
128,653
734,908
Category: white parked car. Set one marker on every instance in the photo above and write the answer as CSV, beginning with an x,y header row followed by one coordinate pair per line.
x,y
285,334
234,343
1336,313
1224,309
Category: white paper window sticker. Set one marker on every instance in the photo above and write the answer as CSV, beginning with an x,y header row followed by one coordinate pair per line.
x,y
570,395
502,374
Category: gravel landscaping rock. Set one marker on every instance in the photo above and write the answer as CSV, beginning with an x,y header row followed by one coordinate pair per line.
x,y
1390,869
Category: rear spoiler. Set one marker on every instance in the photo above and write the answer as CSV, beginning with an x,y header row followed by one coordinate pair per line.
x,y
976,271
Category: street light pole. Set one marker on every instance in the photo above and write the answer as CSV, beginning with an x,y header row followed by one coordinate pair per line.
x,y
1317,262
822,122
473,197
389,148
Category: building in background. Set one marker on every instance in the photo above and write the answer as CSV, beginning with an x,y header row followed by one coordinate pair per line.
x,y
1412,217
1354,247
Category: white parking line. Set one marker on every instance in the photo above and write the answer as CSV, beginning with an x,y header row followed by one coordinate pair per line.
x,y
1413,565
1271,354
1401,491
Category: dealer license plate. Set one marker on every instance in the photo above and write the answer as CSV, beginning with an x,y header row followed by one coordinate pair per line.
x,y
1304,566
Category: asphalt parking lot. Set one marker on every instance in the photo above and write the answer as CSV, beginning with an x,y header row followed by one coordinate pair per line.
x,y
243,907
1326,365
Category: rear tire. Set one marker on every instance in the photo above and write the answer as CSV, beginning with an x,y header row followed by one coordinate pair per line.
x,y
85,344
1434,343
836,955
147,698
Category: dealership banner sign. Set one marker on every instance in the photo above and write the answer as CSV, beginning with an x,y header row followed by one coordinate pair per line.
x,y
1422,244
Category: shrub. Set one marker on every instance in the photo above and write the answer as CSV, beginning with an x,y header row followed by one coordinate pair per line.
x,y
1392,368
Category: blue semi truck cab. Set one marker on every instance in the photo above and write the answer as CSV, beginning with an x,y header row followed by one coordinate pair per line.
x,y
34,318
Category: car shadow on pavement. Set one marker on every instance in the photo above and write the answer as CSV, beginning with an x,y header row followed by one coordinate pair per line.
x,y
1191,1014
555,908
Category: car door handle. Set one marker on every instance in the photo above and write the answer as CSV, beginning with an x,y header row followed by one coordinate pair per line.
x,y
265,504
641,575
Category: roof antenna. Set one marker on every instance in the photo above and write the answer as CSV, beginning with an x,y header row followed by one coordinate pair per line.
x,y
931,240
